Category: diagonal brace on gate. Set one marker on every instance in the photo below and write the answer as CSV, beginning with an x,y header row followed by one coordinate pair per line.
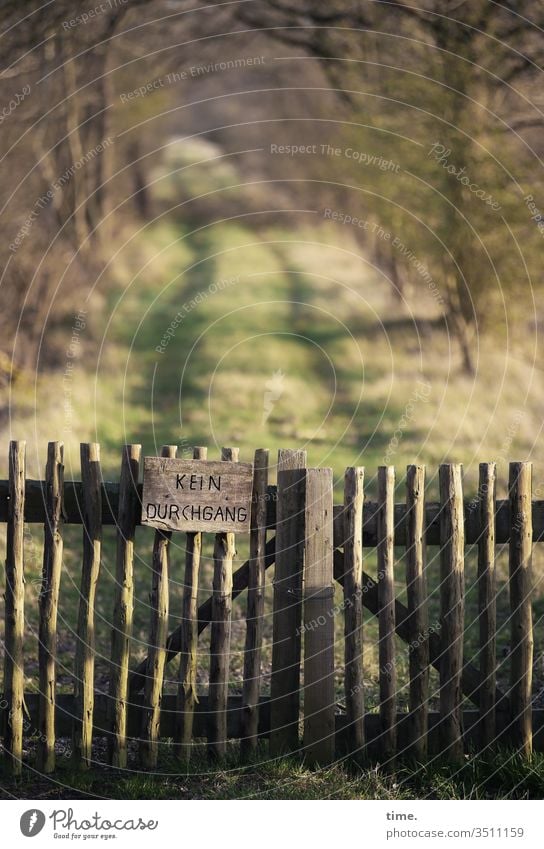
x,y
471,677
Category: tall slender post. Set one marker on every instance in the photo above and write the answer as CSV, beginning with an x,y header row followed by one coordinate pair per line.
x,y
287,615
255,605
452,606
223,556
187,696
487,602
123,605
386,617
158,634
91,480
15,611
353,607
418,616
521,619
48,604
319,700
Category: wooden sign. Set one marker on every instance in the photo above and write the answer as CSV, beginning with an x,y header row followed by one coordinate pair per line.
x,y
197,495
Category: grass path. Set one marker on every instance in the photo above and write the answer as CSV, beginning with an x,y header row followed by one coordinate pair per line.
x,y
301,347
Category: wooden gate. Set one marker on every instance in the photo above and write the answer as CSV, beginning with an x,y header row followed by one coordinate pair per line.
x,y
315,547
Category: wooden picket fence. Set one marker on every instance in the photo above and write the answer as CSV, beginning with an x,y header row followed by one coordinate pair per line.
x,y
313,544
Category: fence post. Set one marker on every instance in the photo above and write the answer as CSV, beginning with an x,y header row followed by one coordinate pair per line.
x,y
452,553
353,607
123,604
15,611
487,600
91,480
319,700
386,619
255,605
223,555
287,615
48,603
418,617
186,696
158,633
521,649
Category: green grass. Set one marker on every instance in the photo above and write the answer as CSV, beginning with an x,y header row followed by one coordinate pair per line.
x,y
288,311
502,776
303,303
311,309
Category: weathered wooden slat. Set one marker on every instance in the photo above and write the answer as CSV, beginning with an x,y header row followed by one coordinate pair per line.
x,y
188,495
35,514
487,603
84,656
432,523
386,615
451,608
318,610
353,607
287,614
158,633
36,508
187,695
48,605
123,605
418,616
15,611
255,605
223,556
521,623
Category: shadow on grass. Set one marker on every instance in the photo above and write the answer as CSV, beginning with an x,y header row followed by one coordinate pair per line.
x,y
501,775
